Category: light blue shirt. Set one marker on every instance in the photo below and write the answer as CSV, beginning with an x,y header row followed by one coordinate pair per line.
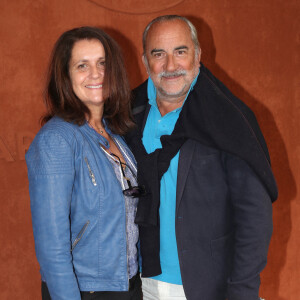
x,y
132,230
155,127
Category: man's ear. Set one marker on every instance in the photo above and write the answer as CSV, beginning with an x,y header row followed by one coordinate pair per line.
x,y
144,59
145,62
199,56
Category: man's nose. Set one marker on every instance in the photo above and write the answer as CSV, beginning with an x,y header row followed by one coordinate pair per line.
x,y
171,64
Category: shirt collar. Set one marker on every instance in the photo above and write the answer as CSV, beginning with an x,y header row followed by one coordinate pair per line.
x,y
151,90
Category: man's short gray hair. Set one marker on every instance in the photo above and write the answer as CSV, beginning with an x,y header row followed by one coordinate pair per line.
x,y
166,18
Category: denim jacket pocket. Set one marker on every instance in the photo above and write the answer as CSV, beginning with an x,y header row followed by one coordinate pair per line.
x,y
79,235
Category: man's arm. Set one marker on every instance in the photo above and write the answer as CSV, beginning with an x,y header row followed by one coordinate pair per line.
x,y
253,229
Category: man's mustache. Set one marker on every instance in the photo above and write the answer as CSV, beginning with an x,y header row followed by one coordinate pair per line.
x,y
171,74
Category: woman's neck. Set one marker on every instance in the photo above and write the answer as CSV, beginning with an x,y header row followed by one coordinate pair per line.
x,y
95,121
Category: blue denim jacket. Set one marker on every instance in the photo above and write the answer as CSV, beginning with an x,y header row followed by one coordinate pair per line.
x,y
78,211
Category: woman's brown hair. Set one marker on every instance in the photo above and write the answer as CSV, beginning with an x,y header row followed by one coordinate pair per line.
x,y
59,96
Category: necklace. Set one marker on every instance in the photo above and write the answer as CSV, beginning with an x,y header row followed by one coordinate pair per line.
x,y
99,129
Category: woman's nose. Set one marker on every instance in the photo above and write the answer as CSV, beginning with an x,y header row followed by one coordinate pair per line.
x,y
95,71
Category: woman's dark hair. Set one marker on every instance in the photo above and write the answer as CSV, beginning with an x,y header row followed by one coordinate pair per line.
x,y
62,101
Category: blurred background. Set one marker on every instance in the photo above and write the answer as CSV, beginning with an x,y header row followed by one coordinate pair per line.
x,y
253,46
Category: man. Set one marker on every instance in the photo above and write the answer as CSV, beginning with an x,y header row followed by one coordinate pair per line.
x,y
206,220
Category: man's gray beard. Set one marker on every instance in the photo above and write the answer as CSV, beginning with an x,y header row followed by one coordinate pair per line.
x,y
165,94
161,91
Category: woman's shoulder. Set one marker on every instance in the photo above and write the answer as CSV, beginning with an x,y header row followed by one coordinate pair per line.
x,y
52,150
57,127
60,126
54,135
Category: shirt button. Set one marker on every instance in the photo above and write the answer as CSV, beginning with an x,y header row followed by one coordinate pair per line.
x,y
158,121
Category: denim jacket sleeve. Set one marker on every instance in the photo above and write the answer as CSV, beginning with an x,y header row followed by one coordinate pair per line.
x,y
253,222
50,162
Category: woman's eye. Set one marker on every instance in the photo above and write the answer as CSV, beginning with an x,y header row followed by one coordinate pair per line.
x,y
101,64
82,66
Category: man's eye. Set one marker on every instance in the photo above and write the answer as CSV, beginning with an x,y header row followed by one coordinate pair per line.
x,y
181,52
158,54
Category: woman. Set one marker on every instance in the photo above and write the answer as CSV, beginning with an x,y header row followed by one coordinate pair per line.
x,y
82,176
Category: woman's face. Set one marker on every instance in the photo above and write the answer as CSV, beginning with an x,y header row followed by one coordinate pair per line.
x,y
86,68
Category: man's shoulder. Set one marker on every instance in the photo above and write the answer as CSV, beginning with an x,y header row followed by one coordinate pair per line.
x,y
216,88
139,95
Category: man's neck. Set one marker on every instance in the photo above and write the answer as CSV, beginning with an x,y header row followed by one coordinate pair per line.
x,y
165,105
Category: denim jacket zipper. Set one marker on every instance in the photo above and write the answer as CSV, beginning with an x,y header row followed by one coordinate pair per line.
x,y
123,187
90,172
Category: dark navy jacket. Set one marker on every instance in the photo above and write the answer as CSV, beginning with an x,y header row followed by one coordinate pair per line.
x,y
223,220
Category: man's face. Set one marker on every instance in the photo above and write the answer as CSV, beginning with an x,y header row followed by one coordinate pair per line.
x,y
171,59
